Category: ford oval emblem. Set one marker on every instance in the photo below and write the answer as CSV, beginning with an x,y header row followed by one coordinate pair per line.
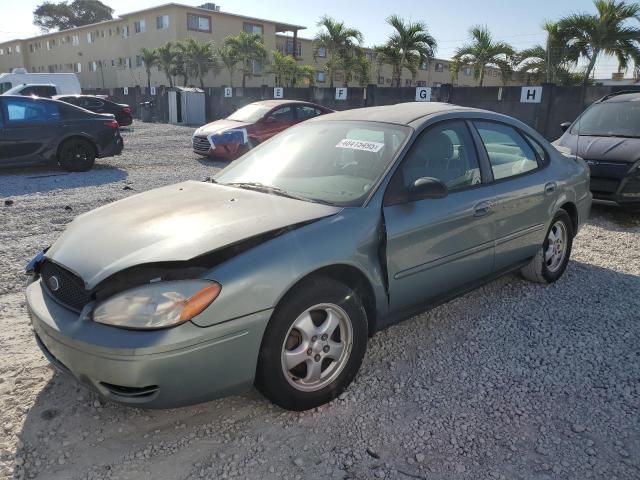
x,y
53,283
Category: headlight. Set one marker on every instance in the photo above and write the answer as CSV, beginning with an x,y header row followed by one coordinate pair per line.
x,y
157,305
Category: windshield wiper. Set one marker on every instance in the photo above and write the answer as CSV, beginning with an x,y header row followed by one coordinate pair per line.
x,y
261,187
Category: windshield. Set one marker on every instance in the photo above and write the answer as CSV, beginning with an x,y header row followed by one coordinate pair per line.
x,y
331,162
618,119
250,113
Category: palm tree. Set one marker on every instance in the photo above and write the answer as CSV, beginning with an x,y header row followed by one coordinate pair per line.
x,y
166,60
392,56
283,67
362,69
305,73
180,65
248,48
149,59
606,32
338,41
413,42
200,59
229,59
550,62
483,51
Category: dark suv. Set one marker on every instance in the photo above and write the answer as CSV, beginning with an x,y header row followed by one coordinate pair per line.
x,y
607,137
38,130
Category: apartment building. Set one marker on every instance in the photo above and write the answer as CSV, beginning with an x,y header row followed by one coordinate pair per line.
x,y
431,74
107,54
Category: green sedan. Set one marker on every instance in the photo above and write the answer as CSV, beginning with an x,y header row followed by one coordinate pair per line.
x,y
276,272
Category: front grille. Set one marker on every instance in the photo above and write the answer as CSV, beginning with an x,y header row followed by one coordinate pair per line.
x,y
201,144
64,286
130,392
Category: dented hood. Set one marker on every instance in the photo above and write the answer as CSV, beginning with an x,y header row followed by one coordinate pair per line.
x,y
173,223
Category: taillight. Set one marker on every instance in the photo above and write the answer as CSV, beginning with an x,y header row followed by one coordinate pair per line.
x,y
126,109
111,124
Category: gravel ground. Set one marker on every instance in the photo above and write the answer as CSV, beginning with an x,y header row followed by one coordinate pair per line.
x,y
511,381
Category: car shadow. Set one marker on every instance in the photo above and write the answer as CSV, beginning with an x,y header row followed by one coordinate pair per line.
x,y
95,429
210,162
24,181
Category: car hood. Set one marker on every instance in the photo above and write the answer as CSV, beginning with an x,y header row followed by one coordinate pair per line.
x,y
174,223
603,148
220,126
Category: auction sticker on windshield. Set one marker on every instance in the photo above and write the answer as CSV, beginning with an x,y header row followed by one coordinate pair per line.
x,y
360,145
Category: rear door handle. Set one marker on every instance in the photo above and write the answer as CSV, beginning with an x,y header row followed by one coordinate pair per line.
x,y
550,187
482,209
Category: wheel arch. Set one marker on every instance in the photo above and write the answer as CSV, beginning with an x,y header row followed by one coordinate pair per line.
x,y
572,211
352,277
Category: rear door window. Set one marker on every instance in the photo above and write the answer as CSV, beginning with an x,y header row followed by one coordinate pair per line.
x,y
90,103
26,111
509,153
305,112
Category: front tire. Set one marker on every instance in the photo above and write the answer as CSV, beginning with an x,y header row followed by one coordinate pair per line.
x,y
551,260
76,155
313,346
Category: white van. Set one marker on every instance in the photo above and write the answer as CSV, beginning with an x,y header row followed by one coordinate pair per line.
x,y
66,83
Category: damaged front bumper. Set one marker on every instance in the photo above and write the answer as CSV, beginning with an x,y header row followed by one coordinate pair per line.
x,y
153,369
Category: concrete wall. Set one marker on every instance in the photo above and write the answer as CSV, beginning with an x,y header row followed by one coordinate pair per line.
x,y
559,104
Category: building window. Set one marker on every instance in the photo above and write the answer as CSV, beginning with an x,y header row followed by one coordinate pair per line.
x,y
256,67
17,48
93,66
320,76
380,80
49,45
198,23
162,22
421,83
287,48
139,26
439,67
75,40
1,51
90,37
322,52
125,31
31,47
424,65
127,62
78,67
139,61
253,28
467,71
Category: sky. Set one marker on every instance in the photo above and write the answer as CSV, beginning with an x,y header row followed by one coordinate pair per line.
x,y
513,21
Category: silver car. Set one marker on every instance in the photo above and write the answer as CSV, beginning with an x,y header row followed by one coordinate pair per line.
x,y
277,271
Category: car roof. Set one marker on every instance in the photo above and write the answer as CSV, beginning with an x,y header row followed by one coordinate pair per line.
x,y
401,113
623,96
275,103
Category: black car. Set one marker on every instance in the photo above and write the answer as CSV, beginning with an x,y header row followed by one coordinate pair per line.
x,y
607,137
95,104
39,130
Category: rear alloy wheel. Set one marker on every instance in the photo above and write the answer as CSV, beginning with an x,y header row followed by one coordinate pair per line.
x,y
551,260
77,155
313,346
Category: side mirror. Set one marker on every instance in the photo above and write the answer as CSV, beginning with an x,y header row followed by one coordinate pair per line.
x,y
565,126
427,187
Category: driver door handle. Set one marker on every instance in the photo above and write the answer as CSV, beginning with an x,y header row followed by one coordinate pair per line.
x,y
481,209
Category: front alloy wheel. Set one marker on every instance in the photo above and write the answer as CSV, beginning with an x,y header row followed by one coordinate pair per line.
x,y
313,346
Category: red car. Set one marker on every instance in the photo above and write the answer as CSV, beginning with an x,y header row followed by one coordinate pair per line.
x,y
233,136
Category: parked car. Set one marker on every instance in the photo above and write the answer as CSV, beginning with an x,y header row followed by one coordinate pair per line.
x,y
251,125
278,270
607,137
96,104
33,90
39,130
65,83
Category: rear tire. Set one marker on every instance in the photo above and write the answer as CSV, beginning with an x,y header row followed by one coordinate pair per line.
x,y
77,155
551,260
313,346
